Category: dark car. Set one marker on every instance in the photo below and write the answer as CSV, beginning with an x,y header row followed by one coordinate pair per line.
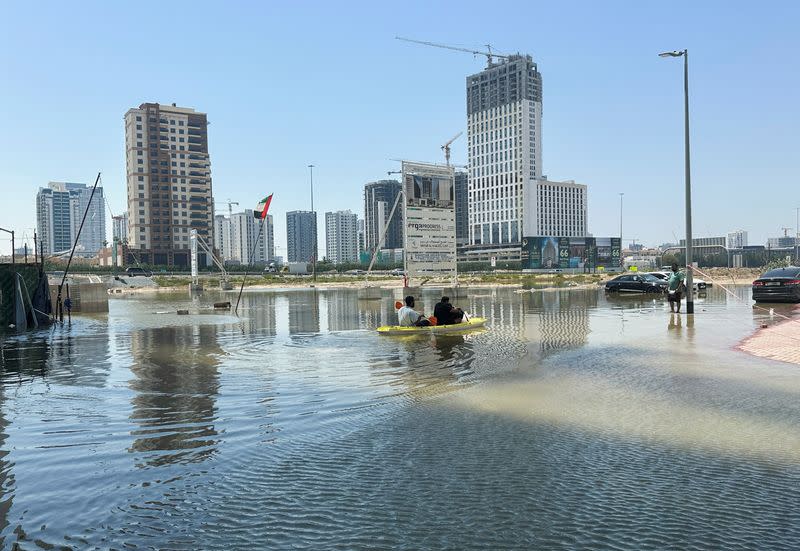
x,y
779,285
635,283
134,271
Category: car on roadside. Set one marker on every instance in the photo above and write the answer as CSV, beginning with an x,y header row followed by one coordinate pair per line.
x,y
134,271
355,272
635,283
397,272
697,284
778,285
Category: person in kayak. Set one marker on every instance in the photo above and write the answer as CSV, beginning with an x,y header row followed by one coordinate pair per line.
x,y
446,314
408,317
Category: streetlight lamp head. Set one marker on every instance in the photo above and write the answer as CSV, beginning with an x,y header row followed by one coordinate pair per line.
x,y
670,54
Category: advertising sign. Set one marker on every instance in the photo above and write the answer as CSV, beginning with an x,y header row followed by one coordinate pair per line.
x,y
544,252
430,221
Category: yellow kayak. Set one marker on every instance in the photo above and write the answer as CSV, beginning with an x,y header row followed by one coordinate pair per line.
x,y
473,323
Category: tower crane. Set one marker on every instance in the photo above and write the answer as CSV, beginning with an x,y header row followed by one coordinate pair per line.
x,y
230,207
446,147
489,55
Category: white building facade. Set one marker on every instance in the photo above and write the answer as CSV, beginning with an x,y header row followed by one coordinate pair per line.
x,y
60,208
737,239
558,209
504,121
244,230
508,196
341,236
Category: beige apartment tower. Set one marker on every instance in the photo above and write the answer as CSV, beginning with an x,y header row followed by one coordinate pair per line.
x,y
169,184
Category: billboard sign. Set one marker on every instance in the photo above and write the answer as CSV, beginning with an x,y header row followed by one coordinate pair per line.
x,y
430,221
546,252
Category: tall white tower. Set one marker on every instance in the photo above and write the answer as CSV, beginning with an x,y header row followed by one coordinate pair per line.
x,y
504,139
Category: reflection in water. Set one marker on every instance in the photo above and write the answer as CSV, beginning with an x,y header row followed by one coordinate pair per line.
x,y
558,320
590,445
303,312
57,354
342,311
176,386
258,313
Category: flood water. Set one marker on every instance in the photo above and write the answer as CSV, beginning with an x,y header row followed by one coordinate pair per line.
x,y
574,421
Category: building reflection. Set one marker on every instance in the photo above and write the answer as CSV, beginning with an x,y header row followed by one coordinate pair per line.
x,y
558,320
258,313
343,312
59,356
303,312
176,385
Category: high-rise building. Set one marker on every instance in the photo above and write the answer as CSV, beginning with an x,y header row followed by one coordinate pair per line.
x,y
737,239
169,182
234,238
60,208
462,207
301,233
244,231
119,230
558,209
504,140
222,237
379,198
341,236
361,237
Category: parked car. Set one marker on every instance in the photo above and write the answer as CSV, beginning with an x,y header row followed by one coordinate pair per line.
x,y
779,285
355,272
134,271
697,284
397,272
635,283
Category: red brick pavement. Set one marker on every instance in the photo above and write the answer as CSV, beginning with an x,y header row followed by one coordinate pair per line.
x,y
779,342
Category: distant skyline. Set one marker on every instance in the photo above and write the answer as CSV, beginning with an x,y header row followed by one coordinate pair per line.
x,y
286,86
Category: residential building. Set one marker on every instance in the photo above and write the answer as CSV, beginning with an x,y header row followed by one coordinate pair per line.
x,y
737,239
341,236
60,208
705,246
250,244
301,235
222,237
504,140
781,242
119,229
361,237
169,183
559,209
461,192
379,198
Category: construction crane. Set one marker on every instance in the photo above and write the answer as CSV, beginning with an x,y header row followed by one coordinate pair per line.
x,y
446,148
489,55
230,207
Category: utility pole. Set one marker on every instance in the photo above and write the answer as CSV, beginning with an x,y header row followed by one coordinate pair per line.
x,y
688,191
12,243
314,214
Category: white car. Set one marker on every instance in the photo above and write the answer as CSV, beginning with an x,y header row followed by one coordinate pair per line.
x,y
697,284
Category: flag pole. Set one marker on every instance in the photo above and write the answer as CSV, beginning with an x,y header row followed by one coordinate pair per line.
x,y
250,258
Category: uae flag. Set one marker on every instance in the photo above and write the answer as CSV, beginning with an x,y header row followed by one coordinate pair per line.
x,y
260,211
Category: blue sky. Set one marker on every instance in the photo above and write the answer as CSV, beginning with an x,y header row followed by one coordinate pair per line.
x,y
290,84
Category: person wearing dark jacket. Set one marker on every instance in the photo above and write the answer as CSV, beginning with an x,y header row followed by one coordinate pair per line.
x,y
446,314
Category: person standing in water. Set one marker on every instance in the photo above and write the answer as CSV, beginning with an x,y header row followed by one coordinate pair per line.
x,y
675,289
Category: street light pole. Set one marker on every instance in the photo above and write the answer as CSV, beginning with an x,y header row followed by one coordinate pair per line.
x,y
314,246
12,243
797,236
689,279
621,260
